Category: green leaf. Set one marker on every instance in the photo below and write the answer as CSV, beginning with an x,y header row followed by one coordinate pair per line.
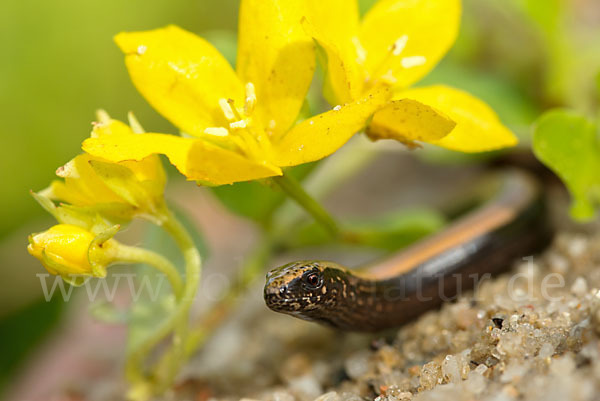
x,y
390,231
569,145
256,200
251,199
398,229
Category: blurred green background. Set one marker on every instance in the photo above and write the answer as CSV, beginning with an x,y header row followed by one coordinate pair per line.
x,y
59,65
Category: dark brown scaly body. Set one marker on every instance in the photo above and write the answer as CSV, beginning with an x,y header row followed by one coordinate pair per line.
x,y
512,224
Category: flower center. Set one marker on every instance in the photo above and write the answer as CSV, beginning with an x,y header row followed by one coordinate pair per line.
x,y
246,136
386,74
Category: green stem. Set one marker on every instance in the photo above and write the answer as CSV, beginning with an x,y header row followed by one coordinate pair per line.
x,y
294,190
132,254
253,267
193,267
176,322
191,256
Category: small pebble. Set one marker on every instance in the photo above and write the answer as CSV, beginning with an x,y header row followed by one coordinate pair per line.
x,y
558,263
431,374
357,365
475,383
562,366
546,351
330,396
577,246
450,369
579,286
514,372
282,396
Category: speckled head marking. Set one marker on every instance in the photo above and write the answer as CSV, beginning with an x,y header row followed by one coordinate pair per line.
x,y
310,290
293,287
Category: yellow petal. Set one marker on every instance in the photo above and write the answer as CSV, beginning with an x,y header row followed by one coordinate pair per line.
x,y
149,170
59,191
325,133
111,127
150,173
478,128
405,39
82,186
337,19
408,120
181,75
277,57
196,159
124,183
334,25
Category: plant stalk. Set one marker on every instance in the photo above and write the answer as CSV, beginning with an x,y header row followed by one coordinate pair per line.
x,y
294,190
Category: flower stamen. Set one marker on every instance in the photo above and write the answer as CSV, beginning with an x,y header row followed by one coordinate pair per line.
x,y
413,61
395,50
226,107
216,131
361,53
250,101
399,45
241,124
389,77
236,114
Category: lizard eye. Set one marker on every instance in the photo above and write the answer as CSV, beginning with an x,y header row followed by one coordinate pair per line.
x,y
313,280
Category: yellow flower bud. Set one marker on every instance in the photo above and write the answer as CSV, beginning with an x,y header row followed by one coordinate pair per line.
x,y
64,249
123,189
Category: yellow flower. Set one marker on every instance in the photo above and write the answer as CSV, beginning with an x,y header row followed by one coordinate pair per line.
x,y
236,125
396,44
126,188
65,249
